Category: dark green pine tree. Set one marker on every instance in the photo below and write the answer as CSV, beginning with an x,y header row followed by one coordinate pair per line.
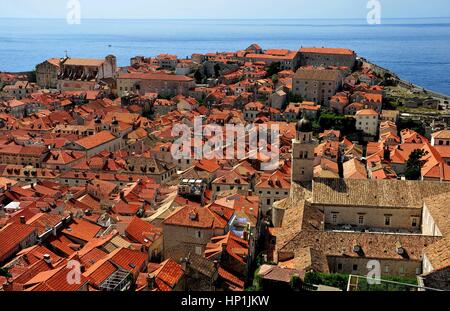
x,y
414,164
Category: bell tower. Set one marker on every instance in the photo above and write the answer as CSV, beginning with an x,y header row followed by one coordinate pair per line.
x,y
303,152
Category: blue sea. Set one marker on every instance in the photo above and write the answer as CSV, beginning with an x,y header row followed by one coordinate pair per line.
x,y
416,49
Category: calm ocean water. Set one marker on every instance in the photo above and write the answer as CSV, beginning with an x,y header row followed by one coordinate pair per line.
x,y
416,49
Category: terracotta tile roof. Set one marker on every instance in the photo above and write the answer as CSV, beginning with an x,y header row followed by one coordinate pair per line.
x,y
207,165
279,274
99,272
234,246
82,230
439,208
307,259
377,246
354,169
195,217
444,151
43,221
31,255
439,253
231,178
277,180
169,273
13,234
95,140
142,231
92,257
385,193
58,282
366,112
339,51
84,62
156,76
445,134
229,277
63,245
130,260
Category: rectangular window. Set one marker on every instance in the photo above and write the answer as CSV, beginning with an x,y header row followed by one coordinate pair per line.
x,y
334,218
355,267
414,222
387,220
339,266
361,219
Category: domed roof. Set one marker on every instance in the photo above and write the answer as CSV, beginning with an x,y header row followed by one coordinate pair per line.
x,y
304,125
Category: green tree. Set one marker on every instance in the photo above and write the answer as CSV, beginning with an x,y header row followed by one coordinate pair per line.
x,y
275,78
338,280
293,98
411,124
273,69
217,70
296,282
198,76
5,272
330,120
414,164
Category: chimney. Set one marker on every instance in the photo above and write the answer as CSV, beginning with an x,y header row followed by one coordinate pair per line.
x,y
399,248
151,281
22,220
47,259
356,247
185,263
387,153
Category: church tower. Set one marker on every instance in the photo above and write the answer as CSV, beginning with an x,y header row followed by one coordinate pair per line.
x,y
303,152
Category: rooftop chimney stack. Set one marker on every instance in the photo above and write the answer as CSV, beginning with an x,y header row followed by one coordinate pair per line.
x,y
47,259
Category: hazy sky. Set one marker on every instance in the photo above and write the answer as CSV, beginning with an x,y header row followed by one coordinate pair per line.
x,y
142,9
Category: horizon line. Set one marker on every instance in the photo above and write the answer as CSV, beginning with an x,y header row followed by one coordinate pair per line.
x,y
227,18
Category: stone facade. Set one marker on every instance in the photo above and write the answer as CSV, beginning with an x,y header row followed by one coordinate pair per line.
x,y
327,57
163,84
317,85
303,156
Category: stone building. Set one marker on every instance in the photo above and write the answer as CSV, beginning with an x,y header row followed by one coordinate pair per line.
x,y
288,60
303,152
161,83
190,228
346,223
47,73
317,85
327,57
83,74
367,121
